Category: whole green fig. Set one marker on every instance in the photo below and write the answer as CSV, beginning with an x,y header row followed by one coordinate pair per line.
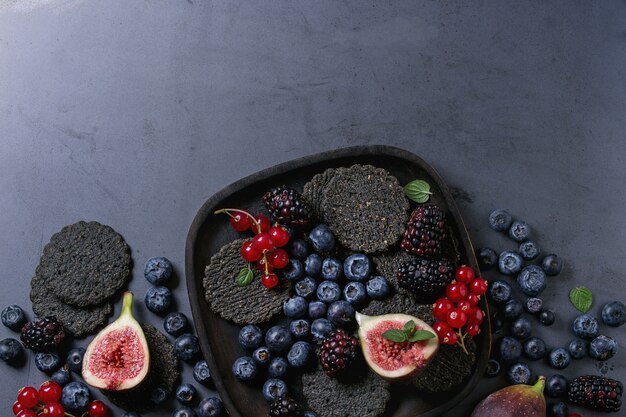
x,y
514,401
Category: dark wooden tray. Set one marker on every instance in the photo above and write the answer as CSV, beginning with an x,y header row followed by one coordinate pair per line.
x,y
209,232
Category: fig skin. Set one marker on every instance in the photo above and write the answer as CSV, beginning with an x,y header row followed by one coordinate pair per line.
x,y
514,401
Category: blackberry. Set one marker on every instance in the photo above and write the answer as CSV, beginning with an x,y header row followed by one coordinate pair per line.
x,y
595,392
43,335
287,206
427,279
285,406
425,231
337,352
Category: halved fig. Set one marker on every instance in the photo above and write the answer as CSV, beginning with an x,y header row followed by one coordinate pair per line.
x,y
395,361
118,358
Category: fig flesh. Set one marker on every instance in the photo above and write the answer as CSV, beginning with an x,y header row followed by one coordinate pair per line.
x,y
117,358
395,361
519,400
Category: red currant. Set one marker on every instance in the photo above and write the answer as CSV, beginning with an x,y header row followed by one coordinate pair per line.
x,y
473,329
475,316
97,409
464,306
473,299
279,258
457,292
26,413
478,286
50,392
240,221
263,265
464,274
28,397
441,327
17,407
269,280
264,223
441,308
575,415
263,242
449,337
249,251
279,235
457,318
53,410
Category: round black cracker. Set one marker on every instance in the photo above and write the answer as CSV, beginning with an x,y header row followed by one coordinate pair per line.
x,y
388,264
85,263
367,396
400,303
365,207
450,366
78,321
164,372
314,189
243,305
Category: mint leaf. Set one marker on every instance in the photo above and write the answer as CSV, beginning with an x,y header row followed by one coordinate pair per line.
x,y
418,191
581,298
395,335
421,335
409,327
245,277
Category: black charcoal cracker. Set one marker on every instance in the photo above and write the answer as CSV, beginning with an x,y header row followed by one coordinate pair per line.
x,y
388,264
400,303
450,366
314,189
85,263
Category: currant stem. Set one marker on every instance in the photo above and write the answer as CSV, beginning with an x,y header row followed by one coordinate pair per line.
x,y
461,341
229,212
267,267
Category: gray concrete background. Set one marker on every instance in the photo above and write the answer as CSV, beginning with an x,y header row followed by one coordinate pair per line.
x,y
133,113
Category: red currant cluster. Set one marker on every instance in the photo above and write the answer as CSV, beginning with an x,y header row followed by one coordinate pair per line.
x,y
46,402
458,313
265,248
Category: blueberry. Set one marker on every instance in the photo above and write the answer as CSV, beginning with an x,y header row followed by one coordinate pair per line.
x,y
355,293
75,396
158,270
300,354
11,350
187,347
493,368
518,373
534,348
496,323
278,338
512,309
294,270
559,358
74,360
500,291
317,310
377,288
158,395
521,328
306,287
559,409
532,280
552,264
614,314
602,348
328,291
278,367
519,231
357,267
47,362
533,305
61,376
131,414
158,299
510,349
509,262
556,385
341,314
245,369
273,389
201,372
332,269
322,238
210,407
500,220
13,317
529,250
313,265
175,323
321,329
186,393
487,258
577,348
300,328
184,411
546,317
295,307
309,414
250,337
262,356
585,326
298,249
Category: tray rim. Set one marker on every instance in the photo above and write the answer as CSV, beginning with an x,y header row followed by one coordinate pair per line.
x,y
352,151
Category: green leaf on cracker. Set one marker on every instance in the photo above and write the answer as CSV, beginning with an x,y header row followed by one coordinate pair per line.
x,y
245,277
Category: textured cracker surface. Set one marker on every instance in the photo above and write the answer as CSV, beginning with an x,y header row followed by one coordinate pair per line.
x,y
400,303
85,263
164,372
250,304
79,321
388,264
313,191
448,369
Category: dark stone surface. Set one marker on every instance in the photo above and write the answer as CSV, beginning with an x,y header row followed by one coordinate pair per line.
x,y
133,113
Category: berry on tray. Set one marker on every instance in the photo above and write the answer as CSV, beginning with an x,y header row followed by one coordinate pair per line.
x,y
355,293
245,369
175,323
300,328
328,292
250,337
47,362
201,372
210,407
322,238
278,339
61,376
295,307
426,279
493,368
377,288
341,314
273,389
285,406
300,354
74,360
321,328
332,269
287,206
183,411
337,352
187,347
75,396
317,309
261,355
43,335
357,267
306,287
278,367
313,265
186,393
425,231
